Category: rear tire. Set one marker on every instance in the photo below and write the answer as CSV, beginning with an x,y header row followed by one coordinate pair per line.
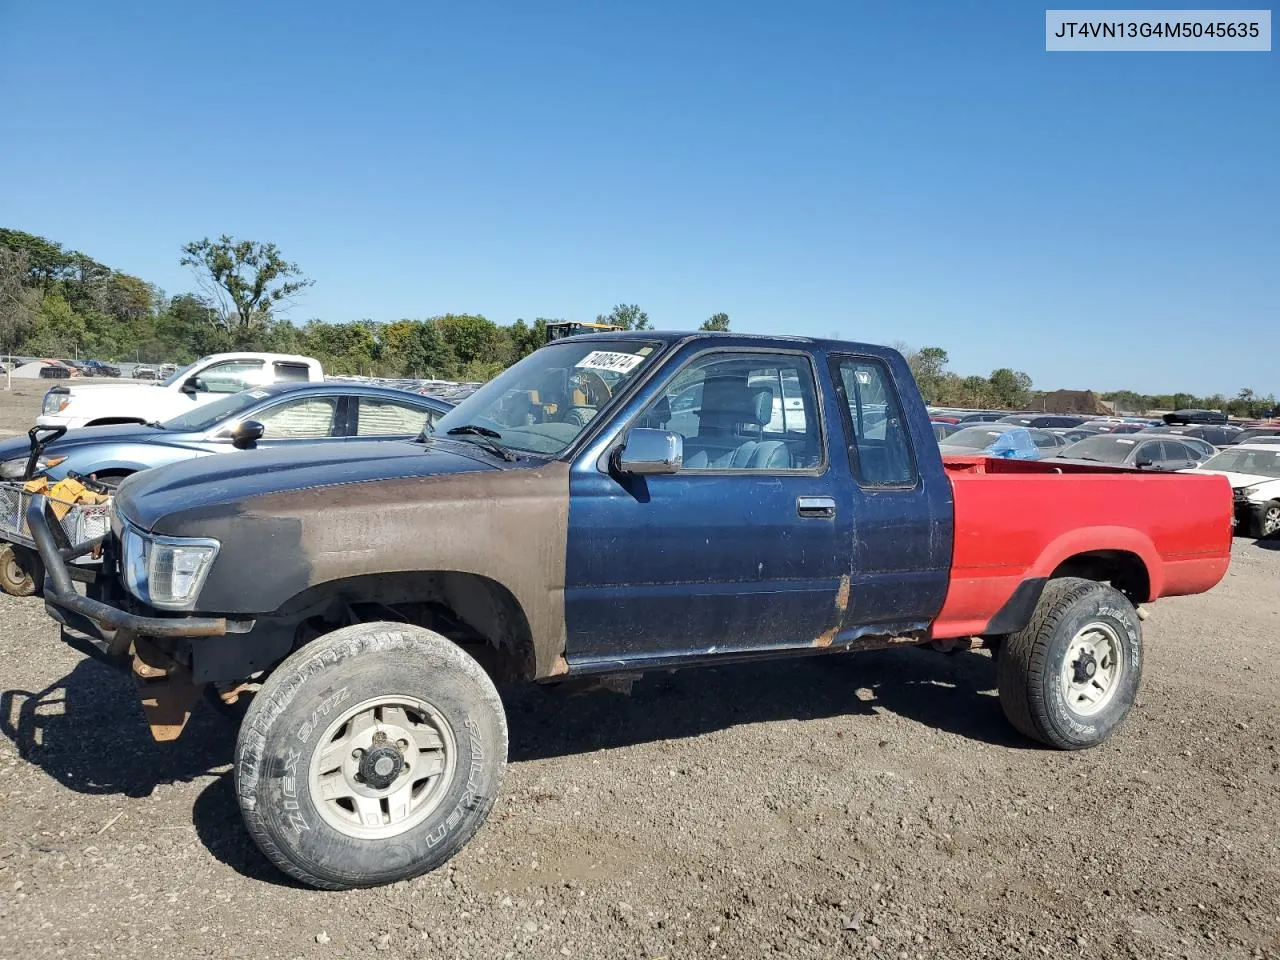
x,y
15,579
1069,678
370,755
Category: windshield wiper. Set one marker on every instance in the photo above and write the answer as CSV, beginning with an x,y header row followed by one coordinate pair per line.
x,y
154,423
490,438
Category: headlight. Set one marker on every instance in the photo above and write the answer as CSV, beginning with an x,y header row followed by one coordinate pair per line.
x,y
13,469
54,402
166,572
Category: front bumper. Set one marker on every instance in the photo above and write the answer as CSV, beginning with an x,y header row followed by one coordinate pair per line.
x,y
150,647
108,629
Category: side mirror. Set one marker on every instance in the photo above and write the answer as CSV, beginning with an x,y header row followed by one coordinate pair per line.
x,y
651,452
246,434
192,385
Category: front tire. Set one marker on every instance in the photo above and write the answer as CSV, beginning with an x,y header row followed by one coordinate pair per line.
x,y
1267,521
370,755
1069,678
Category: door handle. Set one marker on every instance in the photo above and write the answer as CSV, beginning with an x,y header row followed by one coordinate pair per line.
x,y
819,507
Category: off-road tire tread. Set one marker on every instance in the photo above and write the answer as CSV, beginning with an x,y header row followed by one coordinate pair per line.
x,y
278,690
1020,668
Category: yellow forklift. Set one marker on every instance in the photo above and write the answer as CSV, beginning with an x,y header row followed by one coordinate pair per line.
x,y
571,328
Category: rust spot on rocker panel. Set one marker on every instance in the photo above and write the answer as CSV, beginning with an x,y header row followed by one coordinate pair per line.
x,y
827,636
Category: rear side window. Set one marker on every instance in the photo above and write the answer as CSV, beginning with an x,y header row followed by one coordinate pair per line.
x,y
1157,451
879,449
288,372
386,418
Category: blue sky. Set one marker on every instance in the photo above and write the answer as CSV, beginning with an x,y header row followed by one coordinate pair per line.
x,y
924,173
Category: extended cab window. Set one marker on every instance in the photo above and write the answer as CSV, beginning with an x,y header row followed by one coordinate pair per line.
x,y
742,411
288,372
879,448
386,418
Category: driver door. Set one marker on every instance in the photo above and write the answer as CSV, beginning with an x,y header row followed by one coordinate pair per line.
x,y
747,547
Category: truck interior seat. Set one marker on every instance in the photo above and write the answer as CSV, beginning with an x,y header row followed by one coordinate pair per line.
x,y
728,407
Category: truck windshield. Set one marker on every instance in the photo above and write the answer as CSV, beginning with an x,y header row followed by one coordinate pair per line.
x,y
545,401
210,414
1260,463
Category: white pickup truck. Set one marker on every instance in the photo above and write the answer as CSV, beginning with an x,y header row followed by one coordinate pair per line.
x,y
207,379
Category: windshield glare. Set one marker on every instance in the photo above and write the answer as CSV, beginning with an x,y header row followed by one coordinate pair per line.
x,y
1101,449
211,414
1260,463
178,375
545,401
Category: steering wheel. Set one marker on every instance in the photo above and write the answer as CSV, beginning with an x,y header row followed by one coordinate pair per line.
x,y
593,385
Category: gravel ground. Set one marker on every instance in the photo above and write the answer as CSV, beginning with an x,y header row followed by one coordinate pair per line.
x,y
20,405
872,805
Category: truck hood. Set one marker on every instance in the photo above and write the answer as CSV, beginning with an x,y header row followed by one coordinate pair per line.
x,y
209,485
110,391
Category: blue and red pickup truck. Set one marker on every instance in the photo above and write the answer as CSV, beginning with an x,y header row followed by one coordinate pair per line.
x,y
611,504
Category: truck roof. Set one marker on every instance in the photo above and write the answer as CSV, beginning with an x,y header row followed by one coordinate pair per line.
x,y
679,336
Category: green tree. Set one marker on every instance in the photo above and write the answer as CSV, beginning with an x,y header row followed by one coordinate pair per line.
x,y
928,365
427,352
44,260
246,278
526,338
341,347
129,298
628,316
58,329
1010,388
716,322
472,338
18,302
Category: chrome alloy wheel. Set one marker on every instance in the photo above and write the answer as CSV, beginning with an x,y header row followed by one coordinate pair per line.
x,y
383,766
1091,669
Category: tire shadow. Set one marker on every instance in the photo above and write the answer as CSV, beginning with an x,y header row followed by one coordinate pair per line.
x,y
87,732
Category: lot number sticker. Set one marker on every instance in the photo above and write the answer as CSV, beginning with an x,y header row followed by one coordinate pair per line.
x,y
614,362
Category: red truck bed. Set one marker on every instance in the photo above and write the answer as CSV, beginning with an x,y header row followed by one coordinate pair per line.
x,y
1020,521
